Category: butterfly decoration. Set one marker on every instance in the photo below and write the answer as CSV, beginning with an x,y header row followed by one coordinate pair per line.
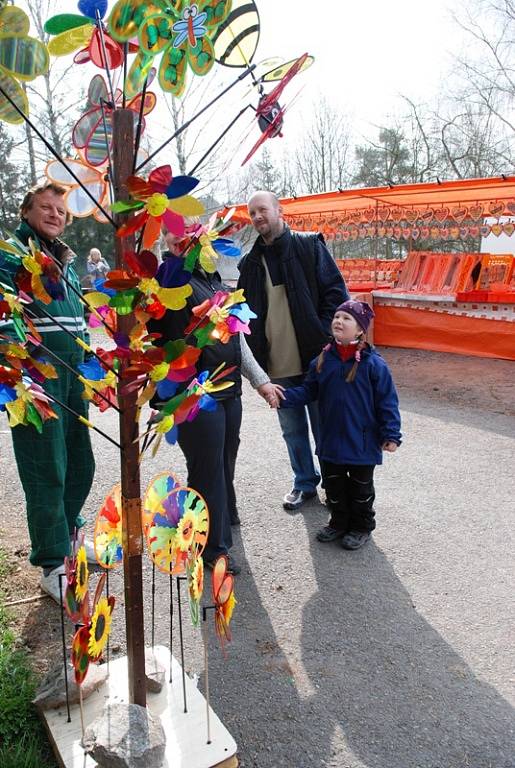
x,y
181,31
108,530
269,112
89,132
222,586
163,199
178,531
22,58
76,200
195,580
156,493
84,31
90,640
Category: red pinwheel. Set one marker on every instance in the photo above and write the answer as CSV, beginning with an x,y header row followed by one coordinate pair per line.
x,y
222,584
72,31
164,200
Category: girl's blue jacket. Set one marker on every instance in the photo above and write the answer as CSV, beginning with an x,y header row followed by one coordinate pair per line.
x,y
356,418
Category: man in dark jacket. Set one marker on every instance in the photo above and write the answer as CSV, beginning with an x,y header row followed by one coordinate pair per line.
x,y
293,284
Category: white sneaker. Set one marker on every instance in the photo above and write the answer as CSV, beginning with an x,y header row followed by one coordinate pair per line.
x,y
90,550
50,583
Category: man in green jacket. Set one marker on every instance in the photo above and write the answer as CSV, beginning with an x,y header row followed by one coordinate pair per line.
x,y
56,467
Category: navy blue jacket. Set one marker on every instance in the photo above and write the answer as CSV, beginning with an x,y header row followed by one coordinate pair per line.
x,y
314,287
356,418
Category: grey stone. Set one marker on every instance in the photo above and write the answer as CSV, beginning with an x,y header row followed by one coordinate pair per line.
x,y
126,736
155,672
51,693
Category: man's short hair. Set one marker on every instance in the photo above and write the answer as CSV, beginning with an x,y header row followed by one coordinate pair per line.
x,y
38,189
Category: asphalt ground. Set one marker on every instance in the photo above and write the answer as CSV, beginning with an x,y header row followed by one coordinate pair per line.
x,y
399,655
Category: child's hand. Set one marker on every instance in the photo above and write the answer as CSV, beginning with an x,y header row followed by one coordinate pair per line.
x,y
390,447
272,393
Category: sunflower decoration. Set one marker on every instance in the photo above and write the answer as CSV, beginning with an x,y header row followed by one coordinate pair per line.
x,y
182,31
22,58
81,574
195,574
163,199
100,627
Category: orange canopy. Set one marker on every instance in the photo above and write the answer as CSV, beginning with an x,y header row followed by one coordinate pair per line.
x,y
470,199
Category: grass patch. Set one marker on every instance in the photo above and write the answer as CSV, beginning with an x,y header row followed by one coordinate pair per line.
x,y
23,743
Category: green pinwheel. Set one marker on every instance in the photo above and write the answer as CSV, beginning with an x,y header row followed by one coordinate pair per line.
x,y
21,58
181,31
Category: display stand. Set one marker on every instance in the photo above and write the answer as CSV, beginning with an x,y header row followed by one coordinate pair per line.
x,y
186,734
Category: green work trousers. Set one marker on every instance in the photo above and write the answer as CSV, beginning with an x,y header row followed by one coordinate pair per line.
x,y
56,470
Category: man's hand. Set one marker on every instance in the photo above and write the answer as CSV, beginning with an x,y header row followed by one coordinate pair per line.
x,y
272,393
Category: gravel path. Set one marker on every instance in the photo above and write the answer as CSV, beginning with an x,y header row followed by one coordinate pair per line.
x,y
395,656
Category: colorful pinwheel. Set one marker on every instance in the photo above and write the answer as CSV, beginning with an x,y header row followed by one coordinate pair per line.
x,y
220,317
89,132
164,200
21,58
222,585
108,530
87,32
157,492
179,531
182,32
209,245
29,405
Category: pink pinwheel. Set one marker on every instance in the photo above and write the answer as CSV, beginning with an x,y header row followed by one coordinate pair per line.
x,y
164,200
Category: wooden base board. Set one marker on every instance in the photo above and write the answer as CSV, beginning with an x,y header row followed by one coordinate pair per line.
x,y
186,733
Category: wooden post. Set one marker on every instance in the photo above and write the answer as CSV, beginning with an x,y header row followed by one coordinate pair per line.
x,y
123,156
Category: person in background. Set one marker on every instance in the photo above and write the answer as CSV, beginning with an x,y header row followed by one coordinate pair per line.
x,y
292,283
56,466
210,442
359,419
96,266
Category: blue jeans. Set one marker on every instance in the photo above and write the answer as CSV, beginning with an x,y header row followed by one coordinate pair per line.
x,y
295,428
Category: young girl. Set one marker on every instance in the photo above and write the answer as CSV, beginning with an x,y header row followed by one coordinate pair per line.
x,y
359,419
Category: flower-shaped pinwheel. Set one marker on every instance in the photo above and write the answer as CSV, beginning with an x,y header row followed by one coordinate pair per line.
x,y
209,245
21,58
220,317
164,200
29,405
195,574
178,530
73,31
182,31
76,200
